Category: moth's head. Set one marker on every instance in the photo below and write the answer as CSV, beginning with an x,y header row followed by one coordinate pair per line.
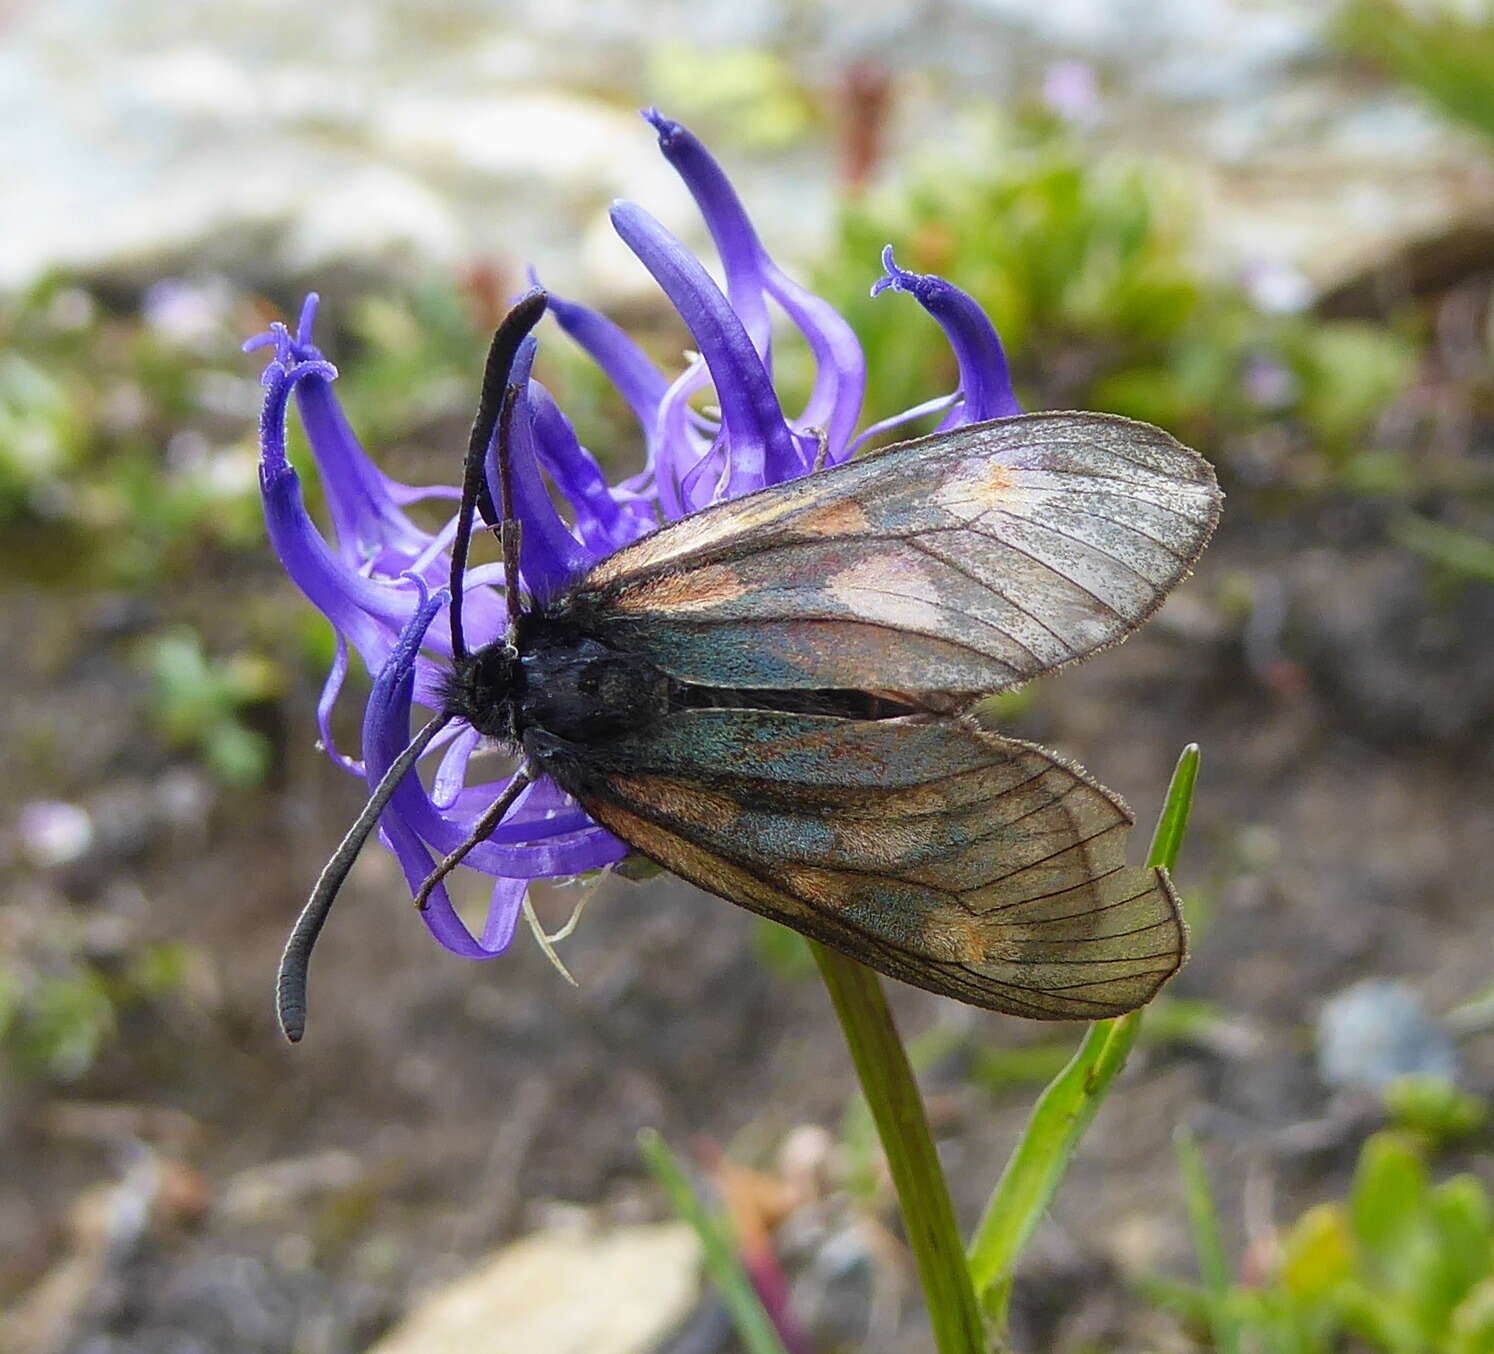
x,y
481,688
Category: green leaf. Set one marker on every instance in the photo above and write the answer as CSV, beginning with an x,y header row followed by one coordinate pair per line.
x,y
722,1262
1382,1320
1464,1232
1434,1107
1000,1069
1388,1202
1172,823
1317,1254
1208,1242
1461,552
1444,52
1473,1322
1071,1100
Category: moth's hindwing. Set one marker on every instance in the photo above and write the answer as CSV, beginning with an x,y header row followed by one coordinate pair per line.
x,y
975,866
962,563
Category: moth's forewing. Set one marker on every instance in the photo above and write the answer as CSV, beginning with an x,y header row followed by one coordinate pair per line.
x,y
975,866
955,565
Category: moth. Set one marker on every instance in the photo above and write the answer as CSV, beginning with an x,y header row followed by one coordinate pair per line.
x,y
774,698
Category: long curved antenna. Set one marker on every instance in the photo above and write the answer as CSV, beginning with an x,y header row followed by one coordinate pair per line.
x,y
476,496
290,983
523,777
510,529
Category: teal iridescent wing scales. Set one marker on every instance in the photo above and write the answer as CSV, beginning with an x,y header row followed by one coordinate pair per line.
x,y
958,564
975,866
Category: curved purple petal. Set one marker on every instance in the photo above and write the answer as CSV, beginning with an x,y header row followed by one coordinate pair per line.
x,y
326,702
601,521
680,448
623,362
367,600
760,446
840,367
523,824
985,380
834,403
393,684
451,772
367,614
504,904
725,217
937,405
706,481
364,502
550,557
365,517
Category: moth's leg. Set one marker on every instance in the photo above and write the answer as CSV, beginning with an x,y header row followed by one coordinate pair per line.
x,y
588,892
547,942
523,778
822,450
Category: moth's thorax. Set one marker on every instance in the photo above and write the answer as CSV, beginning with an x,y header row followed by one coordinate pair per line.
x,y
556,679
581,690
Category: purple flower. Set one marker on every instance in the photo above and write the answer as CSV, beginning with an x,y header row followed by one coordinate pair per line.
x,y
381,579
1071,91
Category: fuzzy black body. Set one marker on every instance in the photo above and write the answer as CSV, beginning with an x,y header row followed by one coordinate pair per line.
x,y
556,679
562,694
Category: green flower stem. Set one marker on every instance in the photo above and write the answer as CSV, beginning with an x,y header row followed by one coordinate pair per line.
x,y
892,1094
1066,1108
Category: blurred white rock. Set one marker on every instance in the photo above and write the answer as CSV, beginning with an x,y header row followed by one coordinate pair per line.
x,y
280,140
1378,1031
564,1290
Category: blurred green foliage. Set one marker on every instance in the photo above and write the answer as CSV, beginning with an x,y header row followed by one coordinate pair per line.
x,y
1402,1265
56,1020
126,446
1444,51
753,96
1461,553
54,1025
865,1163
40,429
1170,1022
781,952
408,361
198,702
721,1253
409,372
1433,1110
1089,269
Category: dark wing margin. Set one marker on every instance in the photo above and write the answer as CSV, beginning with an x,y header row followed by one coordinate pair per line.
x,y
978,867
961,563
